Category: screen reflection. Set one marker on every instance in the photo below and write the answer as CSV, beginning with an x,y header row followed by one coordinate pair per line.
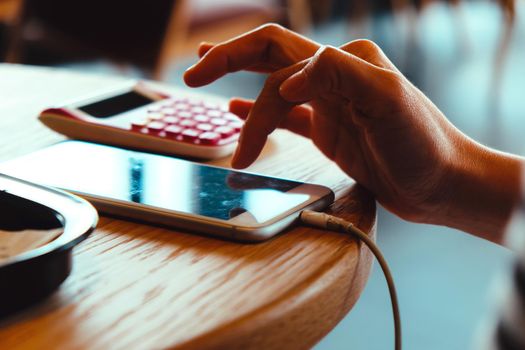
x,y
208,191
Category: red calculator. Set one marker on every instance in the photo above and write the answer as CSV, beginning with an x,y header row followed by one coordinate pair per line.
x,y
138,116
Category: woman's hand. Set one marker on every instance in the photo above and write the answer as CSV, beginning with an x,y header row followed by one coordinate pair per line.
x,y
362,113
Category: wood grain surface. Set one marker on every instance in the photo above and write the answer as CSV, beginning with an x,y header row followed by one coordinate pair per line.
x,y
140,286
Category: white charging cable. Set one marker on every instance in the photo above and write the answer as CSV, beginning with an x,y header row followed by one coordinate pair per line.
x,y
332,223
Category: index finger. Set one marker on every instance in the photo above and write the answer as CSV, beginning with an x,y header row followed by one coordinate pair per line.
x,y
268,111
268,44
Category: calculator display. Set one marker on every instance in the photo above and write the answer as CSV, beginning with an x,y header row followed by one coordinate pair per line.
x,y
158,181
116,105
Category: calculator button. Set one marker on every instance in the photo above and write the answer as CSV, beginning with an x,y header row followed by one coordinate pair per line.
x,y
237,125
184,114
182,106
190,134
169,110
154,109
213,113
198,109
198,123
201,118
173,130
225,131
188,123
204,127
209,138
155,116
155,126
210,105
231,116
218,121
170,120
138,125
170,102
194,102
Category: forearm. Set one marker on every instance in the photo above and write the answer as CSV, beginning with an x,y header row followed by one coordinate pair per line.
x,y
484,188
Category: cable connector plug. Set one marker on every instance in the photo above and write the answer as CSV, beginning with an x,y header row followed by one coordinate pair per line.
x,y
325,221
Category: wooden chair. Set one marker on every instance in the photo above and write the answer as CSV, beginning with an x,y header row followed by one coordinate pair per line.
x,y
126,32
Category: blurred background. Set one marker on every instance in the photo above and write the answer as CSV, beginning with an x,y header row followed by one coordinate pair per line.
x,y
467,56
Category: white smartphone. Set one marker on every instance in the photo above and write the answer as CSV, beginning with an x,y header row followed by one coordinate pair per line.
x,y
170,191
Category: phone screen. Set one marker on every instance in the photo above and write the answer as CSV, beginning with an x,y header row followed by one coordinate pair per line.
x,y
158,181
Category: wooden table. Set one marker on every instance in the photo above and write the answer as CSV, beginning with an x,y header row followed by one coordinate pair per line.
x,y
140,286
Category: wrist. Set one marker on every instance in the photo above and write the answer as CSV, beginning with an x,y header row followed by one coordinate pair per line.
x,y
480,191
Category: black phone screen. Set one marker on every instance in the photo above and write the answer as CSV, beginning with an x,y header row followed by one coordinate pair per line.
x,y
158,181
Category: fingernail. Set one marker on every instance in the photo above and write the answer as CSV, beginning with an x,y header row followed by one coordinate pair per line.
x,y
291,87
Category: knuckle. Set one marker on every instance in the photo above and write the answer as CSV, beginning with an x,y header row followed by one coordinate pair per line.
x,y
328,53
366,46
271,29
368,51
325,69
396,86
394,80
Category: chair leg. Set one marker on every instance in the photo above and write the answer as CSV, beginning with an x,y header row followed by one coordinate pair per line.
x,y
174,39
14,35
